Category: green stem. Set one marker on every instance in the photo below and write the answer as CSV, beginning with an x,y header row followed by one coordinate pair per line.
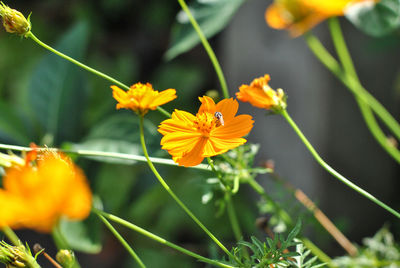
x,y
11,236
87,68
91,153
233,218
331,170
369,118
122,240
208,48
159,239
177,200
230,207
352,84
278,210
235,223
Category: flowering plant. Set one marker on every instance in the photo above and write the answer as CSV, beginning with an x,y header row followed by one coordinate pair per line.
x,y
172,161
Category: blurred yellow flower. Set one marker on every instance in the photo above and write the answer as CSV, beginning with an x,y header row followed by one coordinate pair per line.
x,y
142,97
299,16
214,130
261,95
38,194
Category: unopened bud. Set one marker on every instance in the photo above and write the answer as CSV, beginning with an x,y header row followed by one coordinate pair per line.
x,y
213,94
14,21
66,258
15,256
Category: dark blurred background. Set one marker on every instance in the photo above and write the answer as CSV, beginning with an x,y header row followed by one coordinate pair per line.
x,y
128,40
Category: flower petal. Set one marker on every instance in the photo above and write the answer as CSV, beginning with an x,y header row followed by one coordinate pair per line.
x,y
180,122
163,97
193,157
228,108
237,127
207,105
223,145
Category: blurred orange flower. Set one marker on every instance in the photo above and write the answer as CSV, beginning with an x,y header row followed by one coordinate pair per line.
x,y
261,95
214,130
142,97
299,16
38,194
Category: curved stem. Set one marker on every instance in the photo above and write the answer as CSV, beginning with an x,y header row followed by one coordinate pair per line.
x,y
369,118
87,68
233,218
11,236
177,200
91,153
159,239
352,84
331,170
208,48
278,210
230,207
122,240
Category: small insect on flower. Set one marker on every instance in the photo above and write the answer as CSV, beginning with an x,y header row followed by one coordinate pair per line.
x,y
219,117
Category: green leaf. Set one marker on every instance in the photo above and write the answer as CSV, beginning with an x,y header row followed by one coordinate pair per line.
x,y
211,15
376,20
82,236
289,241
58,89
12,129
119,133
258,243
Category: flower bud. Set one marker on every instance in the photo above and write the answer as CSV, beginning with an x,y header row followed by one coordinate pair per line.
x,y
14,21
66,258
15,256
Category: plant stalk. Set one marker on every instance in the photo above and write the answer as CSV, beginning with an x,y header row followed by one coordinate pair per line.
x,y
87,68
122,240
208,48
177,200
369,118
331,170
159,239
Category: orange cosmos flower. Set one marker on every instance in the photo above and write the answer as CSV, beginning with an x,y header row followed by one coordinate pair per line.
x,y
261,95
299,16
142,97
38,194
214,130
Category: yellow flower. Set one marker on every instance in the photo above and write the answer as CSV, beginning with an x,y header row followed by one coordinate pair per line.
x,y
214,130
261,95
299,16
38,194
142,97
14,21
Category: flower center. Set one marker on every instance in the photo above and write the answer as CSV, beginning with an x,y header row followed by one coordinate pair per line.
x,y
205,122
138,92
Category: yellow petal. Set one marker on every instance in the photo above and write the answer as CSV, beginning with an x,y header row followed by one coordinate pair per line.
x,y
237,127
228,108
